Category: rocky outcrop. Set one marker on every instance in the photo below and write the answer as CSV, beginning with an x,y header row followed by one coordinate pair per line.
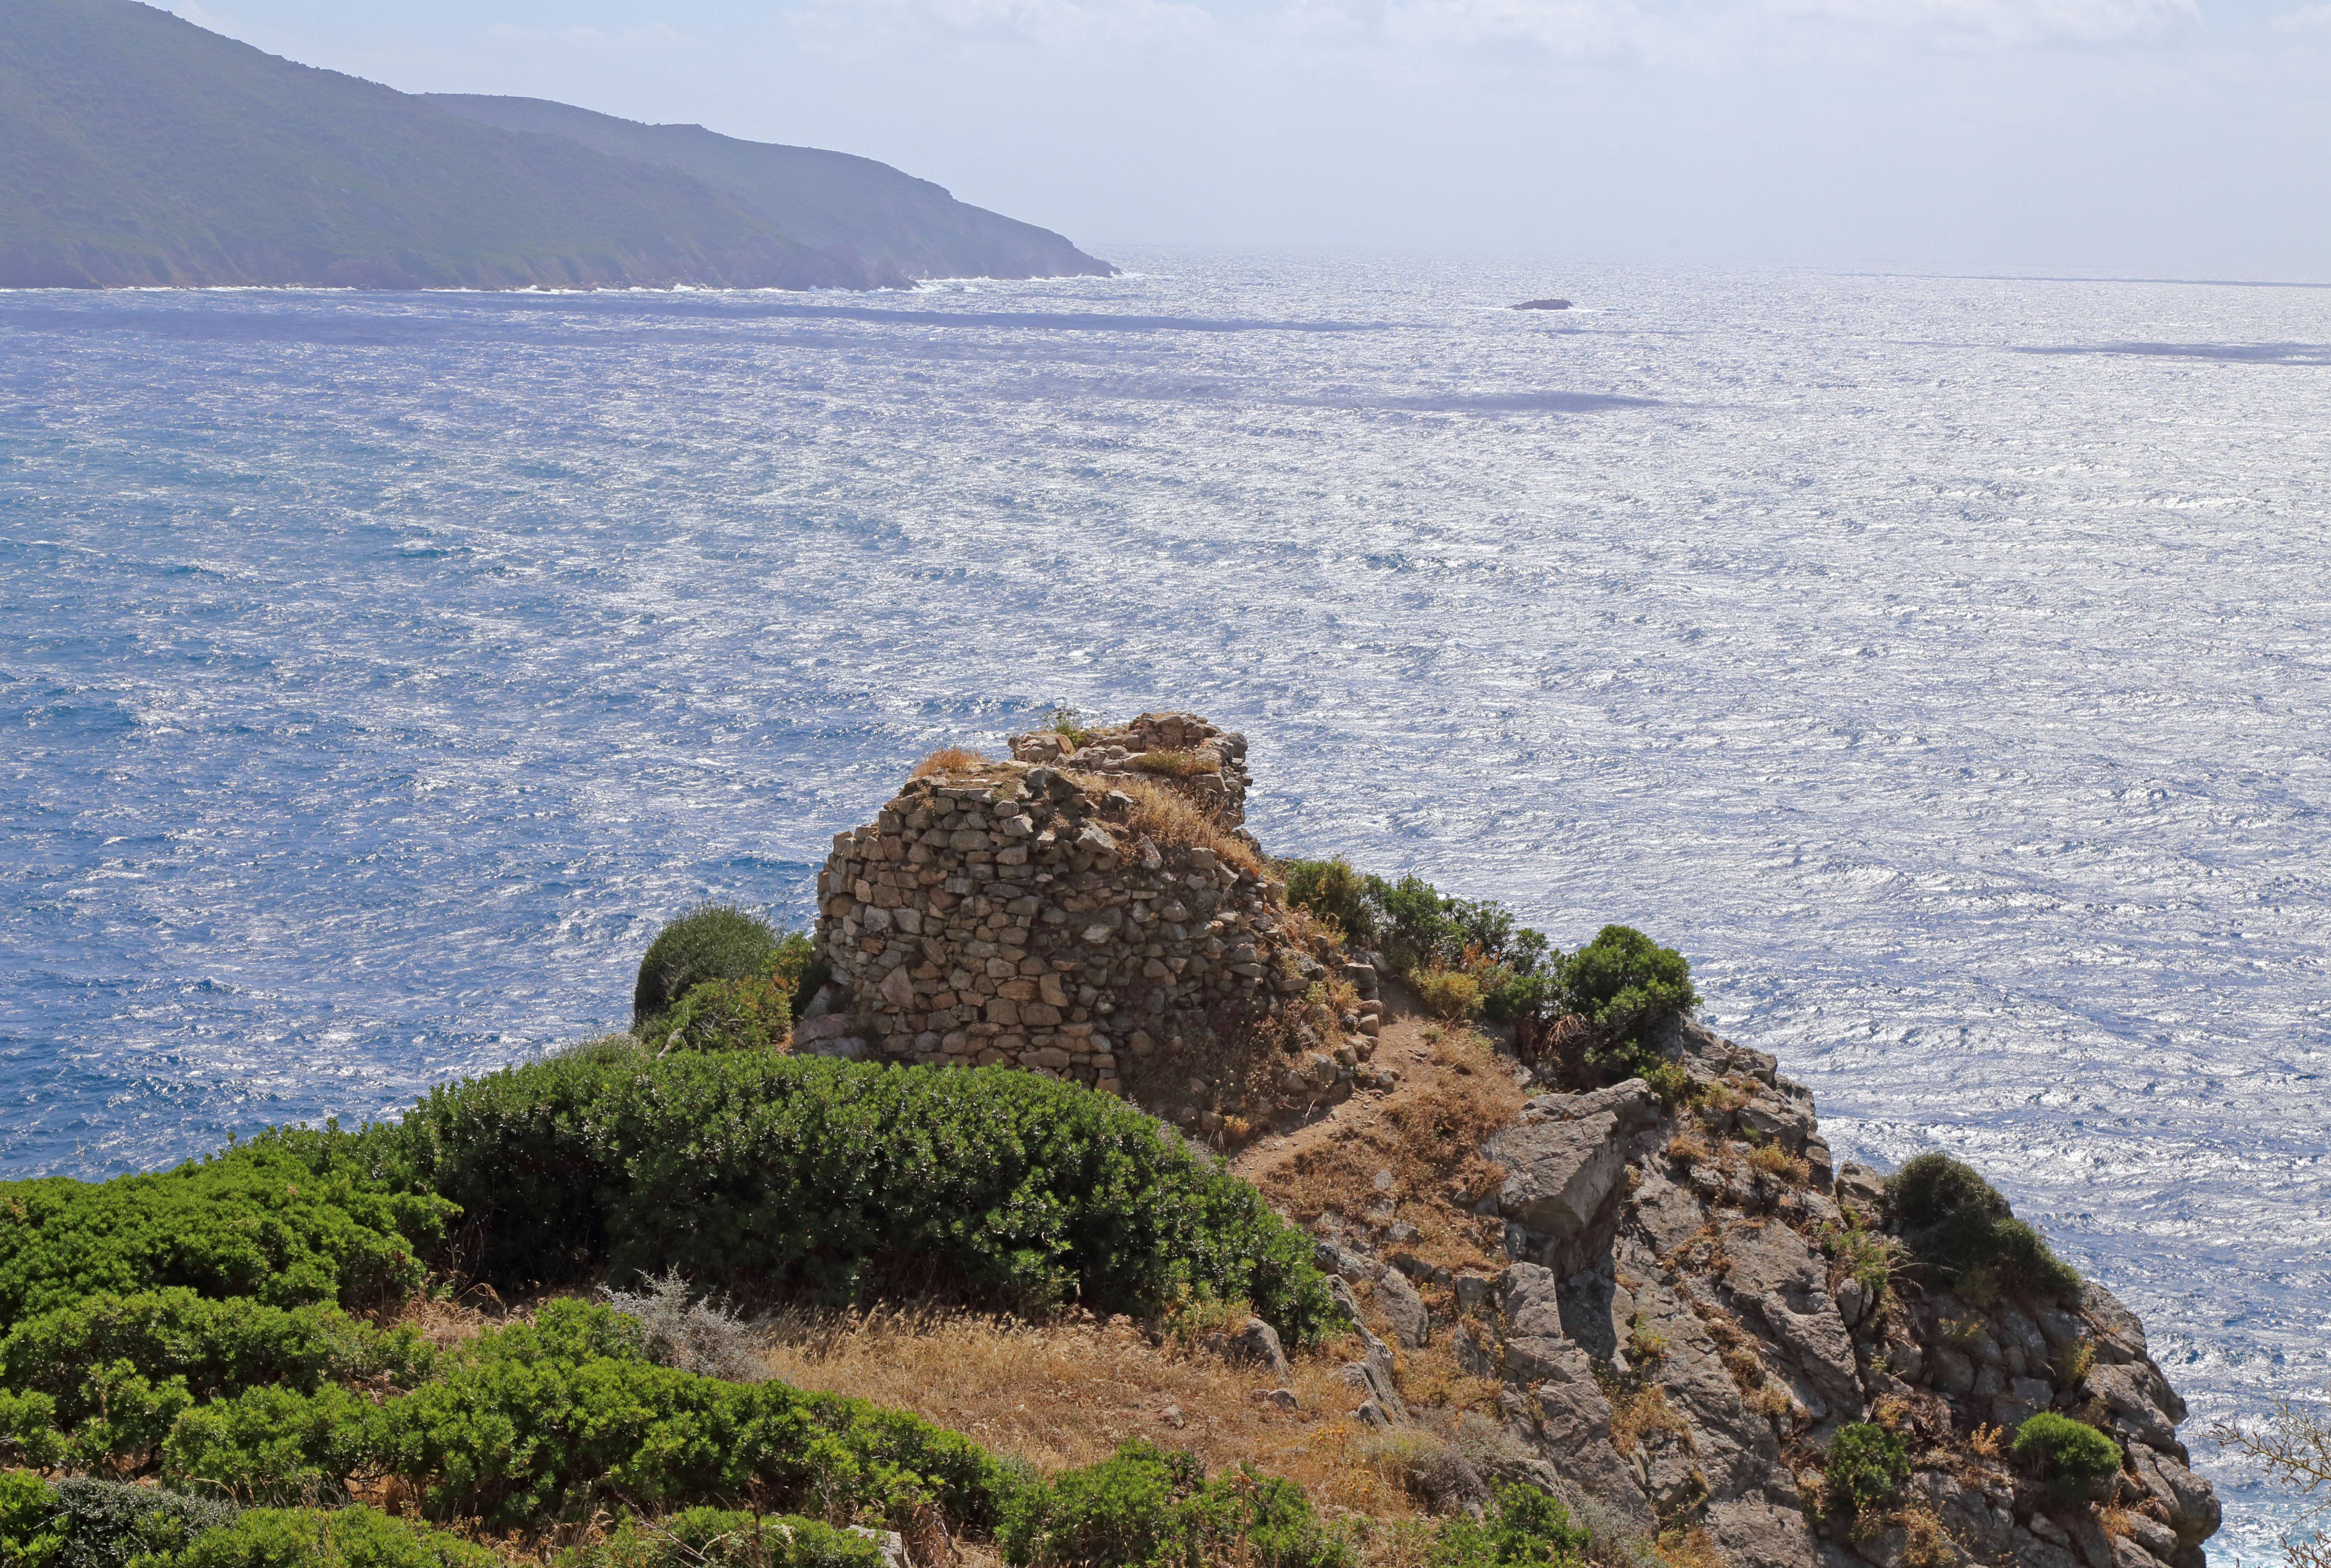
x,y
1695,1302
1661,1262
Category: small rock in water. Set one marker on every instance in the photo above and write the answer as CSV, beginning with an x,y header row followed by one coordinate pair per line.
x,y
1541,305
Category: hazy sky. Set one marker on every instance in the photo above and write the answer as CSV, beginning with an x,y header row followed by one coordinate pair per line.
x,y
2187,137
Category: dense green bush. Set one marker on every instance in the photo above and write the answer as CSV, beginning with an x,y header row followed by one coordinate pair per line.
x,y
260,1219
31,1532
541,1421
2072,1455
100,1524
1866,1466
1151,1507
356,1537
208,1347
1622,981
708,1537
1524,1528
1332,890
1955,1223
755,1013
711,941
772,1173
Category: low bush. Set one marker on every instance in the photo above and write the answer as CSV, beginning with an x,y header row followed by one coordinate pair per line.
x,y
1866,1466
79,1355
30,1533
724,1539
1334,892
1151,1507
98,1524
703,1336
354,1537
755,1013
1525,1526
547,1421
777,1174
1956,1224
2071,1456
948,759
1450,993
274,1219
1621,983
711,941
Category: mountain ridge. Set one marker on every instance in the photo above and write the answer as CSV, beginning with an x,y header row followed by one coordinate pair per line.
x,y
139,149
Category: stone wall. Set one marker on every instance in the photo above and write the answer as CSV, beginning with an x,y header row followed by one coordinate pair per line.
x,y
1026,913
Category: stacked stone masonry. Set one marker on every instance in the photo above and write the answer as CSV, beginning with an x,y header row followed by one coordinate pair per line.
x,y
1017,913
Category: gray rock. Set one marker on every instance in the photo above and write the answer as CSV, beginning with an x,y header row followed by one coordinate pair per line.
x,y
1950,1369
1334,1257
1754,1530
2129,1391
1349,1304
1472,1292
1573,1432
1559,1174
893,1546
1668,1215
2193,1509
2119,1336
1376,1381
1404,1308
1860,1183
1474,1357
1256,1343
1776,1278
2032,1552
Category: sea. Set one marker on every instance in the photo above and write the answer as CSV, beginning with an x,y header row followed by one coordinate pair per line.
x,y
1943,663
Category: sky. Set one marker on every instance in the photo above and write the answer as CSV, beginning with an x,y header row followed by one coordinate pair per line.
x,y
2132,138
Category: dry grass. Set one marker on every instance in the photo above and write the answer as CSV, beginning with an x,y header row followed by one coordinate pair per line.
x,y
1988,1442
1066,1393
1178,764
1430,1141
1171,819
1637,1410
1688,1150
1779,1163
949,759
1692,1548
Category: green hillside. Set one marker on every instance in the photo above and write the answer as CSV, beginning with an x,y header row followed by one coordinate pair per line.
x,y
820,198
136,149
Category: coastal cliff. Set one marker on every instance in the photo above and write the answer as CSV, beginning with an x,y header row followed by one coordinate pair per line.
x,y
1123,1196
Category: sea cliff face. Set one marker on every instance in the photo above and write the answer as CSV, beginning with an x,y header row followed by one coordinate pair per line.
x,y
1686,1324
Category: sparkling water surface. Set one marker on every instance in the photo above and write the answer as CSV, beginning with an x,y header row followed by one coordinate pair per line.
x,y
1941,663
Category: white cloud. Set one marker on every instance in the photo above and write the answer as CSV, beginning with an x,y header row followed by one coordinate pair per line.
x,y
2011,21
598,40
1080,25
2306,19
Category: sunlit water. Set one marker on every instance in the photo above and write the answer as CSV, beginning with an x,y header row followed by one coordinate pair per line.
x,y
1940,663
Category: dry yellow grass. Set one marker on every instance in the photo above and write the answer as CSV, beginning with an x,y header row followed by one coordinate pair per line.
x,y
1171,819
1067,1392
949,759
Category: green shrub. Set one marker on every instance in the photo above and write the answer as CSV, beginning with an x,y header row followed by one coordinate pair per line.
x,y
2070,1455
272,1219
80,1354
1449,993
1622,981
1955,1223
1525,1526
1332,890
1867,1465
755,1013
711,941
1149,1507
779,1174
274,1445
804,972
356,1537
723,1538
541,1422
28,1433
31,1532
110,1524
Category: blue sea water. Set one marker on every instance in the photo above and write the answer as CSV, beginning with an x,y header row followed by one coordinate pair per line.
x,y
1942,663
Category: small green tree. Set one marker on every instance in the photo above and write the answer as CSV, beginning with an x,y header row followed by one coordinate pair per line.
x,y
1957,1225
2071,1456
1525,1529
1332,890
1867,1465
711,941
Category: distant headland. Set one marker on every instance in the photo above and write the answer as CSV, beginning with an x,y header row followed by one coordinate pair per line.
x,y
144,151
